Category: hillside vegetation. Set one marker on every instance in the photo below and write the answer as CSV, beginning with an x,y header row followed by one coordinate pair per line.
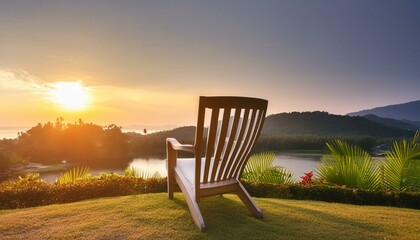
x,y
289,131
325,124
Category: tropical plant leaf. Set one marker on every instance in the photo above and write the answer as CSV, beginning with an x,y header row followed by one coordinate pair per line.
x,y
348,165
135,172
74,175
259,168
401,170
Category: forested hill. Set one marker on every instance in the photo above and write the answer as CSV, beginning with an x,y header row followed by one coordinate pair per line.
x,y
325,124
318,124
286,131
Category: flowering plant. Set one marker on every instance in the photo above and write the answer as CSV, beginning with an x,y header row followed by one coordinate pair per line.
x,y
307,178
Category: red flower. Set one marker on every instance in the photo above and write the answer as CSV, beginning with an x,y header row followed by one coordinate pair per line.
x,y
307,178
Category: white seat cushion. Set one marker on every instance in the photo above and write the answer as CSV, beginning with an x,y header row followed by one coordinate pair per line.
x,y
187,167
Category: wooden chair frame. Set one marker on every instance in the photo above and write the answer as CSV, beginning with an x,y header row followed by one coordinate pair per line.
x,y
227,149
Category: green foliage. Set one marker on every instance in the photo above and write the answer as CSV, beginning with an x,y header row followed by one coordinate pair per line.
x,y
29,179
324,124
5,162
76,174
401,170
79,142
338,194
260,169
31,192
135,172
348,165
8,156
314,142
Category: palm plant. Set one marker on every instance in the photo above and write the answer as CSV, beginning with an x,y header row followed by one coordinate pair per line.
x,y
135,172
401,169
348,165
74,175
260,169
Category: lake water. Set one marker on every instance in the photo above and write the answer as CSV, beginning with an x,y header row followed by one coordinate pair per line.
x,y
295,162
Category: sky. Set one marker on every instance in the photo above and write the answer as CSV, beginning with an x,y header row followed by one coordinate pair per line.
x,y
147,62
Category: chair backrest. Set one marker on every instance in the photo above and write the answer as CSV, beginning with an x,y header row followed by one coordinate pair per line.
x,y
234,126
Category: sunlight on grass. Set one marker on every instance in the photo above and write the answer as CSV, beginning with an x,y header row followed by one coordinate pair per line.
x,y
153,216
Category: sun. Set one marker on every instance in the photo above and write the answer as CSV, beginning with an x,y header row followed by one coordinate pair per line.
x,y
71,96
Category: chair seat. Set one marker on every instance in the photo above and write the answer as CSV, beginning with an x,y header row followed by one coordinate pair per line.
x,y
187,167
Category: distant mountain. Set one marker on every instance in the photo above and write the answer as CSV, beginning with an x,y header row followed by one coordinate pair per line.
x,y
390,122
409,111
325,124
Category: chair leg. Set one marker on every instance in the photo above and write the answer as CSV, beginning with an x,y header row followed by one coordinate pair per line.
x,y
170,181
249,203
195,212
189,195
171,186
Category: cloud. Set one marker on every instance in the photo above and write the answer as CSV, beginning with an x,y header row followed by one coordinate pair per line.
x,y
20,80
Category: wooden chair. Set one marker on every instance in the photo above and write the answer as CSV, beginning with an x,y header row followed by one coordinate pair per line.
x,y
226,146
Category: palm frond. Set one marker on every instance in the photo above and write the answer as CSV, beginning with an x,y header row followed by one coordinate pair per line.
x,y
138,173
77,173
259,168
401,169
348,165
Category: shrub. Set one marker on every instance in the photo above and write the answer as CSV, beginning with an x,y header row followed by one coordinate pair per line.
x,y
401,169
37,193
334,194
31,193
259,168
349,165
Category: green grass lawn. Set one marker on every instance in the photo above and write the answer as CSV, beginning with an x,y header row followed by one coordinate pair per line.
x,y
153,216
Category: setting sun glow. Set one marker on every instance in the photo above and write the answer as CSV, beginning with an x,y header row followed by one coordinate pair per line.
x,y
71,96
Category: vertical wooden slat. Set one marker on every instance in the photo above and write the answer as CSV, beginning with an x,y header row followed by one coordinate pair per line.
x,y
221,143
253,137
198,148
232,156
210,142
232,136
244,145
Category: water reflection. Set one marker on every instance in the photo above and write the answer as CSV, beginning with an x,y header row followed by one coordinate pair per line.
x,y
151,165
297,163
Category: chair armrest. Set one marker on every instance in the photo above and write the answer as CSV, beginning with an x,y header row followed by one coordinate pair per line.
x,y
178,146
